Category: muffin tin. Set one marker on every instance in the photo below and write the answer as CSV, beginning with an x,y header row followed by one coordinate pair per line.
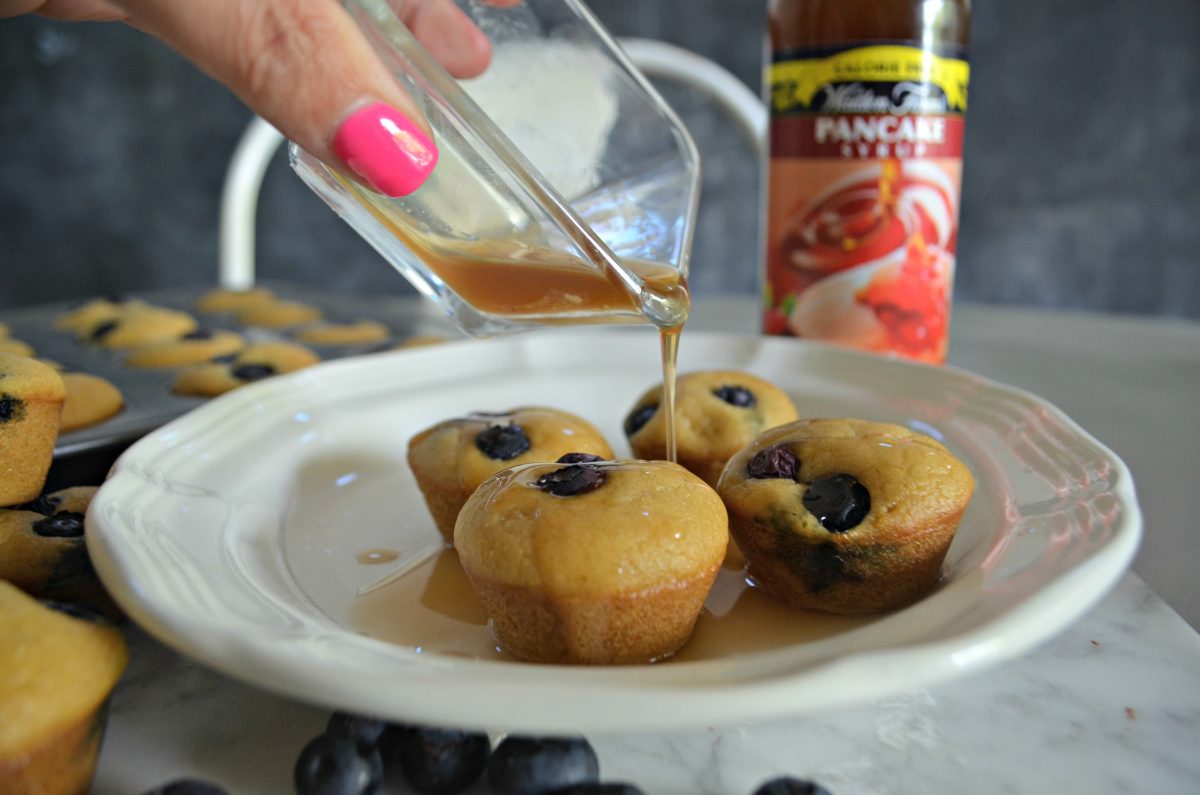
x,y
149,401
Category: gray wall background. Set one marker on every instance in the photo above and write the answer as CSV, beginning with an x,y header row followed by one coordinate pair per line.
x,y
1081,186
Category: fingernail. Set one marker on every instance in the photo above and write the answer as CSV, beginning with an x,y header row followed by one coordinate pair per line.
x,y
388,151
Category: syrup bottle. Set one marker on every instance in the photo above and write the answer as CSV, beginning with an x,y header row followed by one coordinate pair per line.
x,y
868,99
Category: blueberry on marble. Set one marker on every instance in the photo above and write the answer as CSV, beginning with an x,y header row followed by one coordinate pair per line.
x,y
736,396
608,788
365,731
774,462
839,502
536,766
572,480
332,765
60,525
791,786
502,442
253,371
578,458
440,761
11,408
187,786
638,418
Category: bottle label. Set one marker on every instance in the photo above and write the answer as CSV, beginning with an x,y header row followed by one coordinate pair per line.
x,y
862,221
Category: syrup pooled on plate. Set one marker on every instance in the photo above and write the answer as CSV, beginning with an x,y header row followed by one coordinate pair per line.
x,y
433,609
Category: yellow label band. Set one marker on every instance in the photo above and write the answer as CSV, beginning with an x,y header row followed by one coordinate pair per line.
x,y
795,83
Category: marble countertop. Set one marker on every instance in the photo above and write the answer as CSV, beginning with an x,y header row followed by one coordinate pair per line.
x,y
1111,705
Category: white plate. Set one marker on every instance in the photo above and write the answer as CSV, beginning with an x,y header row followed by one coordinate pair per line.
x,y
233,535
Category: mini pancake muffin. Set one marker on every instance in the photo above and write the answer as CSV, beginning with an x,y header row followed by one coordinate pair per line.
x,y
450,459
592,562
31,400
93,313
137,325
277,313
60,664
16,347
252,363
42,549
845,515
420,341
717,413
90,399
226,300
195,347
360,332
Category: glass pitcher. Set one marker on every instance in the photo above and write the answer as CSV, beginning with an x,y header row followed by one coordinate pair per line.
x,y
566,189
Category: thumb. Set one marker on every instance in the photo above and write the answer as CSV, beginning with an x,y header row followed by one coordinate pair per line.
x,y
304,66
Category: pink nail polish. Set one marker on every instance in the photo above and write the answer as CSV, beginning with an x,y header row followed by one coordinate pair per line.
x,y
388,151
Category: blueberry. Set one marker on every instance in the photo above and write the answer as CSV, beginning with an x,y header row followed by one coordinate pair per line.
x,y
252,371
839,502
187,786
572,480
639,417
578,458
198,334
60,525
790,786
44,505
331,765
103,330
599,789
736,396
534,766
440,761
11,408
365,731
502,442
774,462
82,612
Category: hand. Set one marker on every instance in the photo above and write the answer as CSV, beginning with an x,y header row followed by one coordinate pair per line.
x,y
304,66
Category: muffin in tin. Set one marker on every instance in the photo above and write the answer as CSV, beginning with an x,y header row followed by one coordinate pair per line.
x,y
224,299
195,347
358,332
252,363
90,399
136,325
